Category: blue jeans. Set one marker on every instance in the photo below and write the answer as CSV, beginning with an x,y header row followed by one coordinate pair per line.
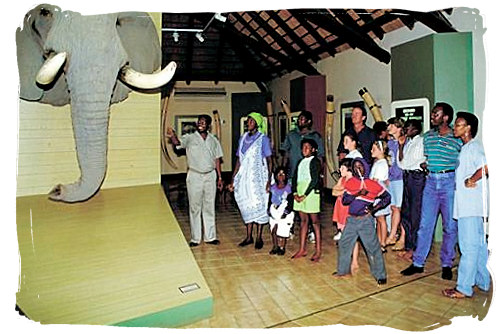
x,y
473,263
438,196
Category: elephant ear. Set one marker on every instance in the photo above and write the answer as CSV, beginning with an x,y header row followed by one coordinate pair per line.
x,y
30,51
139,38
29,61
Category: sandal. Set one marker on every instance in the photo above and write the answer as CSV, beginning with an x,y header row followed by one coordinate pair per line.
x,y
453,293
315,258
390,242
399,246
299,254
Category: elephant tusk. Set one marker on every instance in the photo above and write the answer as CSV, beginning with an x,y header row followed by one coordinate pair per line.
x,y
49,69
330,111
148,81
287,110
217,125
375,109
164,145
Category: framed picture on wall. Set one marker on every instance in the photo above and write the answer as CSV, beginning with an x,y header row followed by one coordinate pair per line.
x,y
185,124
346,114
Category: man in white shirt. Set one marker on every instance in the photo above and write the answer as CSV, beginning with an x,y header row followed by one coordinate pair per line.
x,y
204,154
409,159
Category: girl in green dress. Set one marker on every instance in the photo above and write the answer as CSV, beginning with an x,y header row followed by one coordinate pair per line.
x,y
307,198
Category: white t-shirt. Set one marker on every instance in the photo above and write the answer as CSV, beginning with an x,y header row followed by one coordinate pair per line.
x,y
379,170
354,154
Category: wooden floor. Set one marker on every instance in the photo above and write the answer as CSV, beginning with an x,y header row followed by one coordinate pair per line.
x,y
253,289
117,259
122,256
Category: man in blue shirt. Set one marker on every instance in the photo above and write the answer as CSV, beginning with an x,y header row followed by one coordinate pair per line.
x,y
292,143
441,149
471,209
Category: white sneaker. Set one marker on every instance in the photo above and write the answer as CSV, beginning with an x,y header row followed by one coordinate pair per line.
x,y
337,236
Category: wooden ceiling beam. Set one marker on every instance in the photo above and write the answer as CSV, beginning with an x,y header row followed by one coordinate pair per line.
x,y
240,46
261,46
325,46
292,34
366,17
325,20
301,61
250,64
434,20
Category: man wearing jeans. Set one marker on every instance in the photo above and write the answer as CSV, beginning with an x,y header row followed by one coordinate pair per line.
x,y
471,208
441,149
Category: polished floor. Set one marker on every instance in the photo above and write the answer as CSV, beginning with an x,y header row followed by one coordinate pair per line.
x,y
252,289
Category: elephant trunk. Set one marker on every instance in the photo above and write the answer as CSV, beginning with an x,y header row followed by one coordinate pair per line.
x,y
90,124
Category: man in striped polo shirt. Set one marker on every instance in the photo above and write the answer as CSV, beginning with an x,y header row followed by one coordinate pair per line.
x,y
442,150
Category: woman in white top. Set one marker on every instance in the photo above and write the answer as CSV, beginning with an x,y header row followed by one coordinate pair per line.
x,y
350,142
379,172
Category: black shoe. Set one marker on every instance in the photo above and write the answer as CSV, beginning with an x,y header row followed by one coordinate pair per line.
x,y
193,244
382,281
274,250
214,242
246,242
259,244
447,273
411,270
281,251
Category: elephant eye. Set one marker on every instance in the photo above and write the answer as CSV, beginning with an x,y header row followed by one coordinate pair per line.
x,y
45,12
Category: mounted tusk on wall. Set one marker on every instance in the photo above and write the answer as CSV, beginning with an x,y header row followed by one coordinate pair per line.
x,y
287,110
164,145
148,81
328,143
217,125
273,130
271,120
368,99
50,68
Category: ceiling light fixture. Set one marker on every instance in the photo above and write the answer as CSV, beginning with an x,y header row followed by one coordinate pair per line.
x,y
175,36
220,17
200,37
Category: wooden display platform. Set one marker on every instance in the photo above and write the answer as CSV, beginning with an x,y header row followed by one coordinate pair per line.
x,y
118,259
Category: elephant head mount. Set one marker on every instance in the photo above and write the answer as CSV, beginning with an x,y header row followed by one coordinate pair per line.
x,y
89,62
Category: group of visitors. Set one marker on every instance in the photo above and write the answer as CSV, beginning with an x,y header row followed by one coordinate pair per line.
x,y
394,183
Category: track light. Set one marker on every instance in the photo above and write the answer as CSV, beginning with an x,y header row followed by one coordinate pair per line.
x,y
200,37
220,17
175,36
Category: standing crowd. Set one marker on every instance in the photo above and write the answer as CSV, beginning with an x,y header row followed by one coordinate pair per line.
x,y
395,181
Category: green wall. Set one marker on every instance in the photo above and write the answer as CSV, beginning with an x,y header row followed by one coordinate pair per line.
x,y
412,70
453,57
438,67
